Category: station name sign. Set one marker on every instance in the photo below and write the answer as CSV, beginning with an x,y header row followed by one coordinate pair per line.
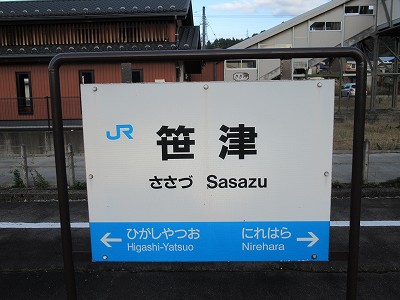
x,y
186,172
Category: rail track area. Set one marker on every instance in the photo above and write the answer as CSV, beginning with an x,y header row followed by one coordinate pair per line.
x,y
31,262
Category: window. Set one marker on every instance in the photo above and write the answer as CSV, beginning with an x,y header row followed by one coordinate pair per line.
x,y
231,64
351,10
359,10
241,64
249,64
317,26
367,10
137,75
332,25
86,77
24,93
326,26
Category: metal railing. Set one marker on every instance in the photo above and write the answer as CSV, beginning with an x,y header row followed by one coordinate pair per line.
x,y
36,112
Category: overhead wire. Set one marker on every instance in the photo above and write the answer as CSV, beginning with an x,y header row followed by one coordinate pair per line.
x,y
247,16
208,24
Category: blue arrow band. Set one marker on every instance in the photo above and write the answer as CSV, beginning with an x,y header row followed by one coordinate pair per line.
x,y
210,241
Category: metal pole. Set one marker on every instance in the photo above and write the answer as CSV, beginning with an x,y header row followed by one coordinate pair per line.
x,y
48,112
396,65
340,84
374,83
366,160
24,165
59,152
204,28
357,178
71,165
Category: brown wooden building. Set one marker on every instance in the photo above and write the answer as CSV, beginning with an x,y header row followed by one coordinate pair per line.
x,y
32,32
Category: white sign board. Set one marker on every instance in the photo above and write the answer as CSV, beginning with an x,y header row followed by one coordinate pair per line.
x,y
209,171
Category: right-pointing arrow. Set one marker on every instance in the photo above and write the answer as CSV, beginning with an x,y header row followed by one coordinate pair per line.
x,y
313,239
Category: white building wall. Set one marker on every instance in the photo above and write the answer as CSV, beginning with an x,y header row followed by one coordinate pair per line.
x,y
393,9
396,11
354,24
301,35
285,38
326,38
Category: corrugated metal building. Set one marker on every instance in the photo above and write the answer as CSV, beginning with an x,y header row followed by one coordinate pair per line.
x,y
371,25
32,32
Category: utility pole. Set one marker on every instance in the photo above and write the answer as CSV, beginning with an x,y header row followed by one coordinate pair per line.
x,y
204,28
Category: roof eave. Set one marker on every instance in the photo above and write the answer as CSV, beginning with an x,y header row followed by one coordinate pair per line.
x,y
180,15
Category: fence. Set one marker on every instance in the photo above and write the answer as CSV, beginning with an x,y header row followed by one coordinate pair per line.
x,y
383,103
17,113
28,170
36,112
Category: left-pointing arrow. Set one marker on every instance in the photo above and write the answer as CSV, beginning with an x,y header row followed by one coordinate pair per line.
x,y
312,239
106,240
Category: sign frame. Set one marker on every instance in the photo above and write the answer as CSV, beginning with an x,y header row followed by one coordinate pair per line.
x,y
212,55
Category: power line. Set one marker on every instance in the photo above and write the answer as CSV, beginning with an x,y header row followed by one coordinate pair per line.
x,y
246,16
212,30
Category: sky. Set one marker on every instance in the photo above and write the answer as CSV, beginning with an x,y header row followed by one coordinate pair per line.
x,y
243,18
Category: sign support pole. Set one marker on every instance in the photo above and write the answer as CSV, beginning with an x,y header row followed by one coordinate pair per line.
x,y
59,152
212,55
356,178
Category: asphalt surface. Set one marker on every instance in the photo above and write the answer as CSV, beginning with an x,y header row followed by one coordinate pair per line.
x,y
31,261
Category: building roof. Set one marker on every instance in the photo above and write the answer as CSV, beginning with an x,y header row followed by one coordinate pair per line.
x,y
289,24
189,38
47,11
77,9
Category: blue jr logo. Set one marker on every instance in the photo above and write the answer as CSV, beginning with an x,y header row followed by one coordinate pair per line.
x,y
127,129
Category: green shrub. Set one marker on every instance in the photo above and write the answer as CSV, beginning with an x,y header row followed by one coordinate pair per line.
x,y
18,182
39,181
392,183
79,185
